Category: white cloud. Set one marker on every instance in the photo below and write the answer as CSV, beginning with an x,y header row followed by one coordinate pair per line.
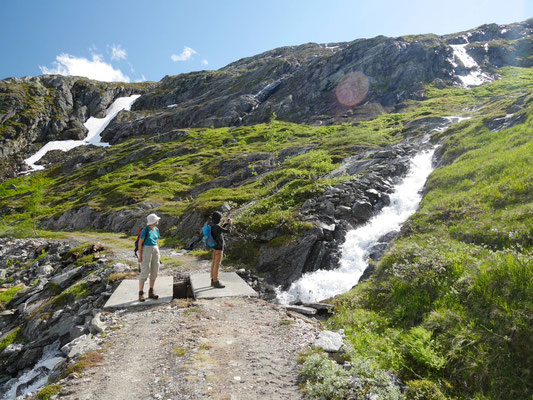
x,y
143,78
205,62
185,55
118,53
96,68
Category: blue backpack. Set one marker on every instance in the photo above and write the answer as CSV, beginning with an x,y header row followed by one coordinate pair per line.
x,y
208,239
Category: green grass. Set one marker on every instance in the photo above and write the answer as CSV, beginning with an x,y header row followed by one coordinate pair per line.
x,y
13,337
7,295
48,391
73,293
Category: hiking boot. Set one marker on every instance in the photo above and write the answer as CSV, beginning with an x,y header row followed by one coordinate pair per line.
x,y
152,295
212,282
141,296
218,285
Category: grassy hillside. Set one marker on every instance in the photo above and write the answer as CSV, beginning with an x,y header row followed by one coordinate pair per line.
x,y
450,307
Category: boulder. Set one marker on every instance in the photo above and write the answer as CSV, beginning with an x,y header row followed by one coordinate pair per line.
x,y
362,211
302,310
329,341
284,264
97,325
65,279
45,270
79,346
29,357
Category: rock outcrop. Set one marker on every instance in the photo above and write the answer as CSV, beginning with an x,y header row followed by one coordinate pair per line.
x,y
36,110
62,289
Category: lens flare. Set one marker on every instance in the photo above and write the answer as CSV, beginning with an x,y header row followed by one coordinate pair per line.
x,y
352,89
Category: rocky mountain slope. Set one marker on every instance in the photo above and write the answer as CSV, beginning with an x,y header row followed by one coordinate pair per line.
x,y
301,144
298,84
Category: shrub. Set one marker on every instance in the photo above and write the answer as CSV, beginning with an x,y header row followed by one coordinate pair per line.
x,y
48,391
325,379
423,350
423,390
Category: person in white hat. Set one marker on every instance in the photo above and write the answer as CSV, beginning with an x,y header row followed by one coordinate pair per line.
x,y
149,256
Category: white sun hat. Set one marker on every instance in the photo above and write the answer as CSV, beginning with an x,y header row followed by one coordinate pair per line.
x,y
152,219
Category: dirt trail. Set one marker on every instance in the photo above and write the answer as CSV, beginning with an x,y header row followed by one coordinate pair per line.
x,y
231,348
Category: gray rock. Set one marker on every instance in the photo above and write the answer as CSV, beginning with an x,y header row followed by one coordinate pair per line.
x,y
45,270
302,310
12,349
77,331
97,325
79,346
320,306
29,357
362,211
342,211
225,208
65,279
329,341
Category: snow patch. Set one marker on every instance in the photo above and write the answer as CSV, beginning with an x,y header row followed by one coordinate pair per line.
x,y
95,126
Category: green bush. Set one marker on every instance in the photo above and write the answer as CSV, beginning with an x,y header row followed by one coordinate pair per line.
x,y
48,391
422,349
324,379
423,390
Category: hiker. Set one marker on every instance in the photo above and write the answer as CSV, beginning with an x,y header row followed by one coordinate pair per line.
x,y
217,232
149,256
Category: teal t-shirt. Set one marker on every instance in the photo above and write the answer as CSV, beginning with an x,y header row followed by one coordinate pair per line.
x,y
153,235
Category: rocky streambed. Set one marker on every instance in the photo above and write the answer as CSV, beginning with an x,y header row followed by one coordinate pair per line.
x,y
53,294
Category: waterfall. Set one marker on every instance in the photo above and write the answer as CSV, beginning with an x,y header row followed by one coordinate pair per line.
x,y
406,196
95,126
37,377
473,76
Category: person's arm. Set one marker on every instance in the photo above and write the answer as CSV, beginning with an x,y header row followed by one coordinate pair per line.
x,y
141,241
228,225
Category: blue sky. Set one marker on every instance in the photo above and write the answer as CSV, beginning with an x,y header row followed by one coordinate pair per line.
x,y
136,40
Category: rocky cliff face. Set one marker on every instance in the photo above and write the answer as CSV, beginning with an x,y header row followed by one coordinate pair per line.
x,y
305,83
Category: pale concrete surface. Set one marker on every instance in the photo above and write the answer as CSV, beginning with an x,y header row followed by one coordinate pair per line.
x,y
235,286
127,293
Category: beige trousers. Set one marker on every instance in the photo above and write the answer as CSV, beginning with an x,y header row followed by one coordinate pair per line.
x,y
150,263
215,264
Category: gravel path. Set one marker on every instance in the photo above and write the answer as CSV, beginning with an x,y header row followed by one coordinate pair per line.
x,y
230,348
235,348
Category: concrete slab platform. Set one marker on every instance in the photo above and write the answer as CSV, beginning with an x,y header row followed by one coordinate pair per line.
x,y
235,286
126,295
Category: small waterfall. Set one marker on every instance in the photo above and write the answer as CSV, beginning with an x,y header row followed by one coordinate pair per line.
x,y
473,76
95,126
322,284
36,378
